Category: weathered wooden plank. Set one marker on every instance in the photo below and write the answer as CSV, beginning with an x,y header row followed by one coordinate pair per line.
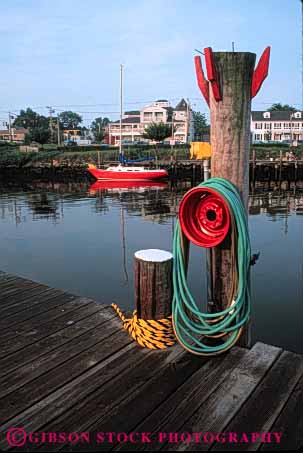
x,y
27,300
7,279
181,403
290,423
262,409
47,344
219,409
57,302
90,353
33,312
15,280
40,327
44,363
124,356
14,290
140,401
96,405
15,299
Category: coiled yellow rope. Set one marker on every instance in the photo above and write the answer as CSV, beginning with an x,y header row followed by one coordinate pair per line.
x,y
148,333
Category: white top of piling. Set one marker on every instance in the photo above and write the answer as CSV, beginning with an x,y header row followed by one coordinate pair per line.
x,y
154,255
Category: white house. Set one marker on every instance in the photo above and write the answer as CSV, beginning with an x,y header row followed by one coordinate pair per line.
x,y
134,122
278,126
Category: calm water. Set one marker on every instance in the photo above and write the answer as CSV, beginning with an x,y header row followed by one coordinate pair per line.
x,y
82,238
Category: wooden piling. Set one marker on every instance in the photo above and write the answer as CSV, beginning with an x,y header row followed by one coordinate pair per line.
x,y
280,170
253,167
153,283
230,141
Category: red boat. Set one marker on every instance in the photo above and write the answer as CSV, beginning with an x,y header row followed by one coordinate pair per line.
x,y
107,185
121,173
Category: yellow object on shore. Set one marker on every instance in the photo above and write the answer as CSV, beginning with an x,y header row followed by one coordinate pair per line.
x,y
200,150
150,333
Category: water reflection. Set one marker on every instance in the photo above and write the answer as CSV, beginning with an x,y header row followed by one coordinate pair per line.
x,y
153,201
82,237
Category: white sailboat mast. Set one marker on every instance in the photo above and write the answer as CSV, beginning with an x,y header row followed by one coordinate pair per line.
x,y
121,107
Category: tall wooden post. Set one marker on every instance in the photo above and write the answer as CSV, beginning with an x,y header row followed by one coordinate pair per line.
x,y
232,82
230,142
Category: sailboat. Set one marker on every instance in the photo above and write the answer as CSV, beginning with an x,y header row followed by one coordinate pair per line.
x,y
121,172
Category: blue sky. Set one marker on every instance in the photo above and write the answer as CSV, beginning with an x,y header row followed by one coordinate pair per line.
x,y
67,52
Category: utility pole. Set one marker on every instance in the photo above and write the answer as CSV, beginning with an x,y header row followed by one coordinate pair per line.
x,y
187,119
291,133
58,130
51,111
172,126
10,127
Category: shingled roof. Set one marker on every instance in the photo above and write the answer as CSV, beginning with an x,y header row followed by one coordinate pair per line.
x,y
132,112
132,119
276,115
181,106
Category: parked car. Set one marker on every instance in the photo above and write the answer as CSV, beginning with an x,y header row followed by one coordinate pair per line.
x,y
69,143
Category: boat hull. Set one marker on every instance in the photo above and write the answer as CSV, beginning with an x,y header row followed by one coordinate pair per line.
x,y
146,175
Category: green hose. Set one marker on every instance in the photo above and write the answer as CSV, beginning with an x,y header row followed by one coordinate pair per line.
x,y
193,327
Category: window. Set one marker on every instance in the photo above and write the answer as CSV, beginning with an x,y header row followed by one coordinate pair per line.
x,y
258,136
277,125
258,125
148,116
135,126
286,125
267,126
297,115
296,125
266,115
159,115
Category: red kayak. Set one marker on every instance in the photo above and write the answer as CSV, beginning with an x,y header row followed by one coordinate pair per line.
x,y
121,173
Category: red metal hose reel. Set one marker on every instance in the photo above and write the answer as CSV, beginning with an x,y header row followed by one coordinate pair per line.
x,y
204,217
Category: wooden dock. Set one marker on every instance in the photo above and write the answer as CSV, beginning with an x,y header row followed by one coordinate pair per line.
x,y
66,366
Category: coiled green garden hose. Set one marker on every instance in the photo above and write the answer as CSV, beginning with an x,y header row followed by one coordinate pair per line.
x,y
193,328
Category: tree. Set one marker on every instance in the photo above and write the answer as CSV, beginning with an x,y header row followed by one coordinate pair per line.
x,y
70,120
30,119
281,107
158,131
201,127
40,135
27,139
98,128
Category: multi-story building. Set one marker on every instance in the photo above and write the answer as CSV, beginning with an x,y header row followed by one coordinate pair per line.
x,y
17,134
78,136
134,122
277,126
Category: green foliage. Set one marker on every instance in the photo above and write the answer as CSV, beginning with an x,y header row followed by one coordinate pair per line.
x,y
16,158
158,131
281,107
40,135
201,126
27,139
30,119
69,119
98,128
